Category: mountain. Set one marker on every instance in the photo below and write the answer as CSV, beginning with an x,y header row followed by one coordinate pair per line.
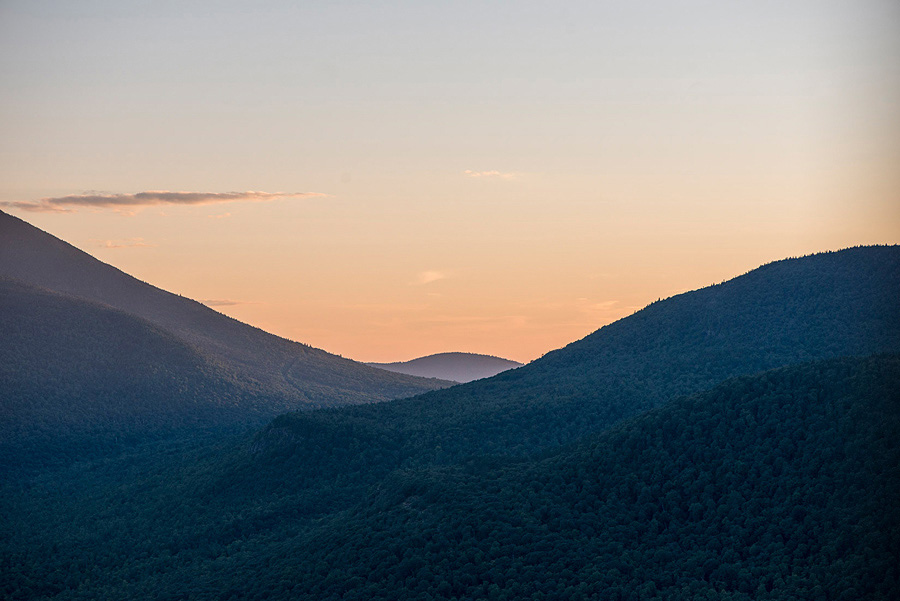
x,y
816,307
457,367
773,486
261,364
821,306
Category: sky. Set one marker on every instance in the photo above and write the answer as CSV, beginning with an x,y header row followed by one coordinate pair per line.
x,y
387,180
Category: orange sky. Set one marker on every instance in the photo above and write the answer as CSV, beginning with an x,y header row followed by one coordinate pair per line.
x,y
500,185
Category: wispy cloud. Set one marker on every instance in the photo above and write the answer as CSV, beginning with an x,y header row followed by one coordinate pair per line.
x,y
64,204
222,302
604,306
426,277
221,216
489,174
126,243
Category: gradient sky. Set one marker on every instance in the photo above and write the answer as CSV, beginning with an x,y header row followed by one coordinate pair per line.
x,y
416,177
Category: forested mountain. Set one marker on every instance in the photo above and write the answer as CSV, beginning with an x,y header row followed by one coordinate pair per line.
x,y
825,305
263,364
775,486
635,364
457,367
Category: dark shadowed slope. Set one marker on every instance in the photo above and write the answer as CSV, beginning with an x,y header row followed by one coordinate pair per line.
x,y
71,367
815,307
775,486
261,362
457,367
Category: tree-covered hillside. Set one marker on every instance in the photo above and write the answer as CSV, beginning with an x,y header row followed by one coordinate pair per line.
x,y
570,393
775,486
826,305
70,368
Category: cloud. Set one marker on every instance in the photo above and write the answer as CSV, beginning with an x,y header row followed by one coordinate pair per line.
x,y
222,302
426,277
497,174
222,216
66,204
604,306
126,243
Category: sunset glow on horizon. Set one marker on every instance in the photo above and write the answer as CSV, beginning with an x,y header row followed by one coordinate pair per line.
x,y
395,181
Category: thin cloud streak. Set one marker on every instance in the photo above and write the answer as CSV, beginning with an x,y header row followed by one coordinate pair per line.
x,y
223,302
73,202
497,174
127,243
426,277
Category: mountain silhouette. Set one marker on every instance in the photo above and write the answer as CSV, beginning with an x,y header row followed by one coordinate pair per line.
x,y
262,362
821,306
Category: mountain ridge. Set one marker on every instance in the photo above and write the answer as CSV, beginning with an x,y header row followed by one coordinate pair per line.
x,y
791,311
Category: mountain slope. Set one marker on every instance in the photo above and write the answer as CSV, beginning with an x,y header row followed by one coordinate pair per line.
x,y
263,364
775,486
72,368
457,367
820,306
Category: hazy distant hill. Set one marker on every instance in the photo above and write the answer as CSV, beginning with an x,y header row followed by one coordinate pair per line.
x,y
261,363
457,367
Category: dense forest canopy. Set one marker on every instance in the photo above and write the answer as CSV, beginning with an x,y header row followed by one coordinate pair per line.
x,y
775,486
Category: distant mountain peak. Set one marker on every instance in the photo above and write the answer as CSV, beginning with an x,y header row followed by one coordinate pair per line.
x,y
455,366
